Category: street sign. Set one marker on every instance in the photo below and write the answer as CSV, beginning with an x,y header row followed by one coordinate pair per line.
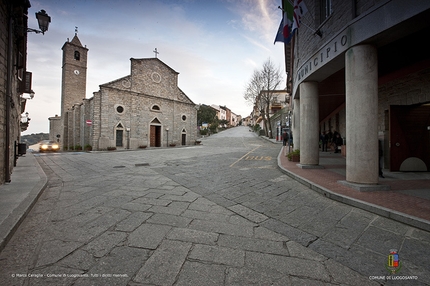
x,y
89,122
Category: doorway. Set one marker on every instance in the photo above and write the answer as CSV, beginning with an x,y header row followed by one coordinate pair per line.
x,y
119,137
155,136
410,137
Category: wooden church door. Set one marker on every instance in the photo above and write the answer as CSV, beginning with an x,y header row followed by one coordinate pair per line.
x,y
155,136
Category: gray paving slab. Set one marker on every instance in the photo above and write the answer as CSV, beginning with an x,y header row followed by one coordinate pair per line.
x,y
165,264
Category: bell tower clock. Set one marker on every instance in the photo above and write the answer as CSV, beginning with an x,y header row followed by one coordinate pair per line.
x,y
74,73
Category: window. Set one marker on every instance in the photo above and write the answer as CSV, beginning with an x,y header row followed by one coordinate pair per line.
x,y
155,108
77,56
120,109
325,9
184,117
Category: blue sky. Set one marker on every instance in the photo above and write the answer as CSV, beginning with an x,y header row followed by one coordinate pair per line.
x,y
214,45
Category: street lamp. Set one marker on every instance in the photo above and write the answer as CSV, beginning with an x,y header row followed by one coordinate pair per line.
x,y
128,137
290,130
167,130
43,20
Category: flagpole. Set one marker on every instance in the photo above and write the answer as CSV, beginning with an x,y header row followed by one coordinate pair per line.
x,y
317,32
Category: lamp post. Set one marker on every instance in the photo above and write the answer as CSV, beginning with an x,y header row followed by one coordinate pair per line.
x,y
167,142
290,131
128,137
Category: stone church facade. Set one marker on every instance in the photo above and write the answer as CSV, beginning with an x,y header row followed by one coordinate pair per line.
x,y
145,108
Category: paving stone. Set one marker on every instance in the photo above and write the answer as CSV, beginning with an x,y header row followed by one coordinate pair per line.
x,y
348,230
296,281
390,225
248,276
79,259
266,234
116,268
297,250
382,240
151,201
188,197
218,255
175,208
237,219
154,195
64,278
412,250
202,215
252,244
148,236
168,219
292,233
106,221
288,265
345,276
54,250
220,227
117,201
164,264
133,221
104,243
136,207
195,236
84,217
220,200
248,213
353,257
324,221
194,273
205,205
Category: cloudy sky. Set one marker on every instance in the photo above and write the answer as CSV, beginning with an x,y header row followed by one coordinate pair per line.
x,y
215,45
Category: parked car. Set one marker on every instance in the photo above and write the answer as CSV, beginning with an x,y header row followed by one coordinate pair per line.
x,y
48,145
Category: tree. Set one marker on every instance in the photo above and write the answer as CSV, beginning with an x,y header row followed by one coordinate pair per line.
x,y
260,91
206,114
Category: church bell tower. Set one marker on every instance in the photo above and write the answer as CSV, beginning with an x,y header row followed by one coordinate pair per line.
x,y
74,74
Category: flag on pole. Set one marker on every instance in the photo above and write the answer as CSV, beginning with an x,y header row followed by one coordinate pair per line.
x,y
285,31
300,10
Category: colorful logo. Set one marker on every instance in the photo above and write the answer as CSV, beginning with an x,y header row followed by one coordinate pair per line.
x,y
393,264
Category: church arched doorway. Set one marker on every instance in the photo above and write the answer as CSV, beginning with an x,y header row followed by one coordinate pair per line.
x,y
155,133
119,135
184,137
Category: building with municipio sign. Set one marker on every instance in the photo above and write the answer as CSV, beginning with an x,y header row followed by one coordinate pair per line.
x,y
143,109
362,68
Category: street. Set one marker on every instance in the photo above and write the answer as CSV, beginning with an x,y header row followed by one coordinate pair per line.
x,y
220,213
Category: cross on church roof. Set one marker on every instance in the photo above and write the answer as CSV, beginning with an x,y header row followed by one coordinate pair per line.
x,y
156,53
76,31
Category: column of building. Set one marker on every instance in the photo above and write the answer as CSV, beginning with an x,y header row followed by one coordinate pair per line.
x,y
309,121
361,75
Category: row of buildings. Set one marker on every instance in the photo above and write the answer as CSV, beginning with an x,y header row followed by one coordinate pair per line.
x,y
225,113
15,80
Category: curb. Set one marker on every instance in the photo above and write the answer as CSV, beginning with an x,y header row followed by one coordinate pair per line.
x,y
382,211
9,226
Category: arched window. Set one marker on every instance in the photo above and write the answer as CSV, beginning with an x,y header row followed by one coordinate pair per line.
x,y
77,56
155,107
